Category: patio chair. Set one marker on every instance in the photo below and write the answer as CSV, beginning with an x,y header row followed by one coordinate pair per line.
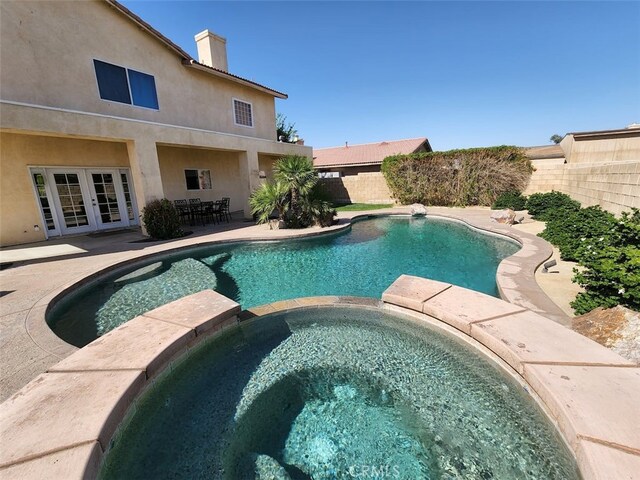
x,y
183,209
225,208
197,212
209,211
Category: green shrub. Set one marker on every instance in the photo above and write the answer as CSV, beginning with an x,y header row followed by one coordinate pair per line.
x,y
475,176
161,220
512,199
542,206
570,230
611,265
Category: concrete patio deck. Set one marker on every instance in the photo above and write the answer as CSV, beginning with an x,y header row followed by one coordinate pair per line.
x,y
28,347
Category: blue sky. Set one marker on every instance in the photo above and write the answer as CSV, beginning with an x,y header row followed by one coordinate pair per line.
x,y
463,74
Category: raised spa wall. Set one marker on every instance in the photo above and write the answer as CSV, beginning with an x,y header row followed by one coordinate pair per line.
x,y
61,424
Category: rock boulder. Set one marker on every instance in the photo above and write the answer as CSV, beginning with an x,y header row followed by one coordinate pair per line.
x,y
507,216
617,328
418,210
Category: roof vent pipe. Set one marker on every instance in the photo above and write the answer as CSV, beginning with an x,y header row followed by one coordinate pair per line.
x,y
212,50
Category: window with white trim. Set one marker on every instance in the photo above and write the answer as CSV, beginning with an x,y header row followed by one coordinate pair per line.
x,y
242,113
123,85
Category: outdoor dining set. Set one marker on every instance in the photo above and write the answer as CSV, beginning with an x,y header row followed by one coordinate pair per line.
x,y
195,211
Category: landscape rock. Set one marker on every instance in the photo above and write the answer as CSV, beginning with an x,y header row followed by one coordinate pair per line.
x,y
506,216
616,328
418,210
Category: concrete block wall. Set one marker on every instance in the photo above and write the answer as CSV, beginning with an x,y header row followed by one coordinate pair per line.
x,y
368,187
614,186
547,176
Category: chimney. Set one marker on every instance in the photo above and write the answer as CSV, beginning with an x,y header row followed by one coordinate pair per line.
x,y
212,50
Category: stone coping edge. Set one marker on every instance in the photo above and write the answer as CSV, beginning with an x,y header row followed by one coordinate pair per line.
x,y
63,420
590,392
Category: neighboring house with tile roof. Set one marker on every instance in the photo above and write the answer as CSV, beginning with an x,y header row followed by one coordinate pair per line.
x,y
351,174
367,157
101,113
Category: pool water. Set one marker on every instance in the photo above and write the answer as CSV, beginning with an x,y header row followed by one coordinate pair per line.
x,y
363,261
332,393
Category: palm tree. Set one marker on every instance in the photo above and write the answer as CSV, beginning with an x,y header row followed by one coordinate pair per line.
x,y
268,197
297,174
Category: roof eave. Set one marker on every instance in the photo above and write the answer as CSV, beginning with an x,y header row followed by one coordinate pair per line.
x,y
219,73
187,59
344,165
148,28
599,133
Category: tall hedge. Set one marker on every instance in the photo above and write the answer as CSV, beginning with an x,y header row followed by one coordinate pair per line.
x,y
475,176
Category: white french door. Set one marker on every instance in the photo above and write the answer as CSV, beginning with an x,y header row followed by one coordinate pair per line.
x,y
107,199
71,200
80,200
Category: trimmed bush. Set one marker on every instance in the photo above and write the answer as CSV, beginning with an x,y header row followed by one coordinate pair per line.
x,y
475,176
513,200
571,230
542,206
161,220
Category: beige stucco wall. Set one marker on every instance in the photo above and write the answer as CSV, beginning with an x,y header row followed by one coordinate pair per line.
x,y
265,164
602,150
225,174
47,53
19,210
362,188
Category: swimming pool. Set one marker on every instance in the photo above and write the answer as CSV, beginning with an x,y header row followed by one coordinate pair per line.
x,y
360,262
337,392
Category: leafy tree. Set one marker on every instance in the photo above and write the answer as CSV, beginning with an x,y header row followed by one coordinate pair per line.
x,y
555,138
285,131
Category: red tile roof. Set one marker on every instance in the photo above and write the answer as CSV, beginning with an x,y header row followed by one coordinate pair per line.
x,y
187,59
366,154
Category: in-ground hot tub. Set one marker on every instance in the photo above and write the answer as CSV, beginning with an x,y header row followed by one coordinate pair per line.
x,y
337,392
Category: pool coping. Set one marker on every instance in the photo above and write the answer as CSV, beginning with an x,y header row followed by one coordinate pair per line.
x,y
515,276
588,392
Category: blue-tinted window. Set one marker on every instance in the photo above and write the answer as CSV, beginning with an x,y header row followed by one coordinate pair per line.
x,y
143,89
126,86
112,82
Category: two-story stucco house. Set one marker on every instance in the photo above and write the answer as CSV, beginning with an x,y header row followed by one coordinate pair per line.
x,y
100,113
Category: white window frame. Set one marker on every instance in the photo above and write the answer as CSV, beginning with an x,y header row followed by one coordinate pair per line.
x,y
233,112
126,69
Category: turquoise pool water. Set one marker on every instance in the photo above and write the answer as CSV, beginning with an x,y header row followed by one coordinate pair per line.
x,y
337,393
361,262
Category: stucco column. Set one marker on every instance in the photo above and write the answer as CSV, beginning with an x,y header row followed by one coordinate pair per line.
x,y
249,178
145,172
